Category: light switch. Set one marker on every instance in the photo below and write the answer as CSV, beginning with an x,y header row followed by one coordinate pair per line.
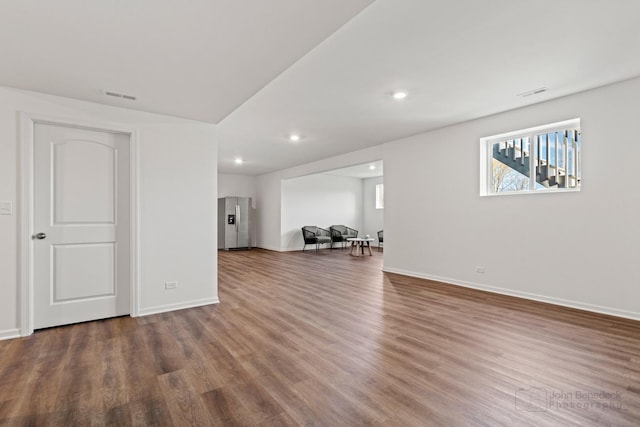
x,y
6,208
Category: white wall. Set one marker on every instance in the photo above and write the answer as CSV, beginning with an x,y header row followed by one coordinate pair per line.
x,y
321,200
178,212
372,218
577,249
177,187
237,185
268,210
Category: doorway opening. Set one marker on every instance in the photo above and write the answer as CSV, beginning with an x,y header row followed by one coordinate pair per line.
x,y
344,196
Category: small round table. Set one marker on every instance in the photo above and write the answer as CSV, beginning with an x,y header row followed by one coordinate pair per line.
x,y
360,242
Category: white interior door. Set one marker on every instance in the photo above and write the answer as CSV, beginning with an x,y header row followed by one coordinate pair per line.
x,y
81,225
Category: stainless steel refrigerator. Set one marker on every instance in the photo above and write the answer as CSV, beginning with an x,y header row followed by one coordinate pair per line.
x,y
234,223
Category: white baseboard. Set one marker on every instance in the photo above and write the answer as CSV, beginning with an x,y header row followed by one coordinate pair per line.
x,y
177,306
269,248
9,334
309,248
273,248
294,248
526,295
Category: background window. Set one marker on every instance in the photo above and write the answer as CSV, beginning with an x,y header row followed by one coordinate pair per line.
x,y
380,196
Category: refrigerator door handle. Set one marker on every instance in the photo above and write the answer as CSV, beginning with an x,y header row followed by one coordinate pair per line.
x,y
237,216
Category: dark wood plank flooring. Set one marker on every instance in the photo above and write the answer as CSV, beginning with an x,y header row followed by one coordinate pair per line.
x,y
327,339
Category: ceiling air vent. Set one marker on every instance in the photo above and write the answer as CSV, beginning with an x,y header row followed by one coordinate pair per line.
x,y
119,95
533,92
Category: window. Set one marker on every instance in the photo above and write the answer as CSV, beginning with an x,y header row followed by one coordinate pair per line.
x,y
541,159
379,196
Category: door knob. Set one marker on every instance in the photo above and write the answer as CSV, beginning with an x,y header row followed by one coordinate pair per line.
x,y
40,236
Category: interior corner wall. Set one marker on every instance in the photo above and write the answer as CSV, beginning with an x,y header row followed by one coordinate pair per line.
x,y
268,209
372,218
177,165
577,249
320,200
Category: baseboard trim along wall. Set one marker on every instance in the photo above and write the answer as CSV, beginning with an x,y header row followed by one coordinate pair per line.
x,y
289,249
15,333
269,248
294,249
178,306
534,297
310,247
9,334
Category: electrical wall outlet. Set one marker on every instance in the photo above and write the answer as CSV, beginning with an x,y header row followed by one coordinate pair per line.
x,y
170,285
479,269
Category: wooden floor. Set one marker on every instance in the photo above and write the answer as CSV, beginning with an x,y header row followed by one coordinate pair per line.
x,y
327,339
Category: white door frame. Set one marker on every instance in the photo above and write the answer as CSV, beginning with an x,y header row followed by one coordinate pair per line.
x,y
25,208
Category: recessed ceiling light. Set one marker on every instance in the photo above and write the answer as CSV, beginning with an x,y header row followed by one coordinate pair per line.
x,y
294,137
238,161
399,95
372,167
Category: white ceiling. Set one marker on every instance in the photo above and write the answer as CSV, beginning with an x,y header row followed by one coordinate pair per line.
x,y
263,70
198,59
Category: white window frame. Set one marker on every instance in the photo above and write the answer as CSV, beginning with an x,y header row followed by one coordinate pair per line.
x,y
486,155
379,196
